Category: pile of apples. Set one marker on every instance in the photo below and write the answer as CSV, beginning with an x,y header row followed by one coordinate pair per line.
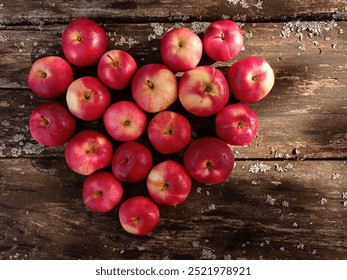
x,y
202,90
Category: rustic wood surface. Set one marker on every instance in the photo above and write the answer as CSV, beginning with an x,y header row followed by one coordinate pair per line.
x,y
39,13
287,195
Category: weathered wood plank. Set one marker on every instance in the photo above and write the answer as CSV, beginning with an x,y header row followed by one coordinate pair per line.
x,y
314,124
299,112
38,13
298,51
270,210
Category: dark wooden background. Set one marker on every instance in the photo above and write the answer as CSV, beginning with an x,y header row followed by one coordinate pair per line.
x,y
287,196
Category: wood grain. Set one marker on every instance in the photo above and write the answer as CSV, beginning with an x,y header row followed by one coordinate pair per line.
x,y
293,210
298,113
40,13
298,56
287,195
315,125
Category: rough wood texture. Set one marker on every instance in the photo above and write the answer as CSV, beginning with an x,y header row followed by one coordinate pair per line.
x,y
300,112
319,47
315,124
293,210
287,196
40,13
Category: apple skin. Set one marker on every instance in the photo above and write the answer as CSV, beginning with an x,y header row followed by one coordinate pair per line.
x,y
101,192
125,121
237,124
131,162
88,151
203,91
84,42
116,68
87,98
139,215
169,132
168,183
209,160
50,76
181,49
154,87
251,79
222,40
51,124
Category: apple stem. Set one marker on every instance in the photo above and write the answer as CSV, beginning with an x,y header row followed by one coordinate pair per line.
x,y
93,196
150,84
168,132
44,121
208,165
240,125
136,220
91,150
98,193
115,63
88,94
41,74
207,89
222,36
165,187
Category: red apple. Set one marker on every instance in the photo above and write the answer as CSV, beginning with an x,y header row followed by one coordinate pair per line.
x,y
236,124
222,40
88,151
168,183
125,121
181,49
87,98
154,87
84,42
51,124
101,192
50,76
139,215
209,160
169,132
116,68
131,162
251,79
203,91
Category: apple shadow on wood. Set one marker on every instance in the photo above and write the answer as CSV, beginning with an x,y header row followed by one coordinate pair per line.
x,y
296,89
41,49
242,216
244,231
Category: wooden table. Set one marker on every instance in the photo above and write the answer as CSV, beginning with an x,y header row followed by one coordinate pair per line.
x,y
287,196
